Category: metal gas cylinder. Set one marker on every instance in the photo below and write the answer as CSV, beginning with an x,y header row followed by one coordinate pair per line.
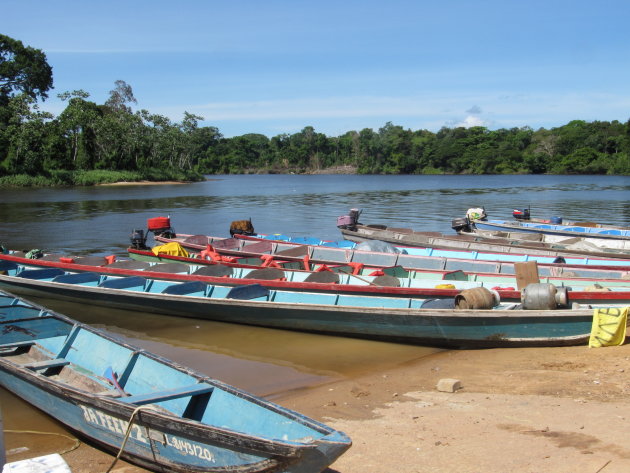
x,y
543,296
477,298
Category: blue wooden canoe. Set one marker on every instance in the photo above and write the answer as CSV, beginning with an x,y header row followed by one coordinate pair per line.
x,y
389,282
425,268
172,418
292,249
553,229
408,238
404,319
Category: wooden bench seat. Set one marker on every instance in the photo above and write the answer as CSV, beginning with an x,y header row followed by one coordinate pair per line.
x,y
45,364
169,394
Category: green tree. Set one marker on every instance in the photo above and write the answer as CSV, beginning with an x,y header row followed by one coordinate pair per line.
x,y
120,96
78,124
23,70
28,134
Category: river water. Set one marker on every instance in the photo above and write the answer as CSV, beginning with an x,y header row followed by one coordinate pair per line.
x,y
100,220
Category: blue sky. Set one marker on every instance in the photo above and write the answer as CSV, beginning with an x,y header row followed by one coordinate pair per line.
x,y
276,66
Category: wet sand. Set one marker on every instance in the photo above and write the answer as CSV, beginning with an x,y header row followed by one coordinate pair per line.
x,y
519,410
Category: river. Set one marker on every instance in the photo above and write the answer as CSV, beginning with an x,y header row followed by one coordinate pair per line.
x,y
100,220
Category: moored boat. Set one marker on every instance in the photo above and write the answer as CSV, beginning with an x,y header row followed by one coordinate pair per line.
x,y
154,412
385,282
423,267
295,250
525,214
569,231
465,239
474,318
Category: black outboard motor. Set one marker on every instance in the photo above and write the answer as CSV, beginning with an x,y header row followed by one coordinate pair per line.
x,y
139,240
349,221
462,225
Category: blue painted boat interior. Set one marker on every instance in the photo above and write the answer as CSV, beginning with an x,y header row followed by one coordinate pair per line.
x,y
143,378
335,251
564,228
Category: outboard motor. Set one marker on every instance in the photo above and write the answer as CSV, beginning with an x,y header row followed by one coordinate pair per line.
x,y
476,214
139,240
462,225
242,227
161,226
521,214
349,221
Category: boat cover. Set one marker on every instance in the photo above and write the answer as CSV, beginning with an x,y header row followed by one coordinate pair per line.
x,y
173,248
380,246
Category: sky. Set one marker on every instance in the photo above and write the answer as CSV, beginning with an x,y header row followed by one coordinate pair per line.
x,y
277,66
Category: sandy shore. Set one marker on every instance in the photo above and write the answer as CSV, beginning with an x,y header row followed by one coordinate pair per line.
x,y
519,410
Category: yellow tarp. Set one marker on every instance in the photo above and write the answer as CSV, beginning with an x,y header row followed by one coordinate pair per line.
x,y
173,248
609,327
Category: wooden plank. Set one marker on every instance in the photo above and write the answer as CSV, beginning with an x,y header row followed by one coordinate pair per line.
x,y
45,364
169,394
526,273
14,345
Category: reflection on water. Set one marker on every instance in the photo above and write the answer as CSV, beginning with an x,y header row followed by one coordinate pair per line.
x,y
100,219
240,354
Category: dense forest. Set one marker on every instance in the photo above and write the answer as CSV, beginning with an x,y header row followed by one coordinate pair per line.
x,y
89,142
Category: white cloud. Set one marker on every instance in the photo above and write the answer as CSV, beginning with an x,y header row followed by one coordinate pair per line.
x,y
471,121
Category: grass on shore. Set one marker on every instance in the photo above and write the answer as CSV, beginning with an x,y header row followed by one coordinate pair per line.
x,y
92,178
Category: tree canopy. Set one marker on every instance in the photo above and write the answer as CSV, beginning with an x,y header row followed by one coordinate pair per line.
x,y
23,70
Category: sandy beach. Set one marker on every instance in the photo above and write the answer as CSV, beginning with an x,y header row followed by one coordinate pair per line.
x,y
523,410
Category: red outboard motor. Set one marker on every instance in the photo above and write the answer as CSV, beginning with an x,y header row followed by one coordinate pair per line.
x,y
521,214
161,226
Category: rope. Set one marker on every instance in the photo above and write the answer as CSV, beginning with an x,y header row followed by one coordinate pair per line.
x,y
129,427
76,445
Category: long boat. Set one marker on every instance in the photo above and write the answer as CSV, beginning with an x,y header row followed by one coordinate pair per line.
x,y
154,412
408,237
602,233
525,215
343,252
386,282
458,323
448,269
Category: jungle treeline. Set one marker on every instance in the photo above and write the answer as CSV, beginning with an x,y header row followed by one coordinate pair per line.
x,y
89,143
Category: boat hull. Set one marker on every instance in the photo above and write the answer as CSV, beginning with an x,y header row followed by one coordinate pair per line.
x,y
447,328
361,233
53,363
551,229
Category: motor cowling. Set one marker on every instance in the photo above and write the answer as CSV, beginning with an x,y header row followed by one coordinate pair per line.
x,y
521,214
476,214
242,227
349,221
461,225
138,240
161,226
